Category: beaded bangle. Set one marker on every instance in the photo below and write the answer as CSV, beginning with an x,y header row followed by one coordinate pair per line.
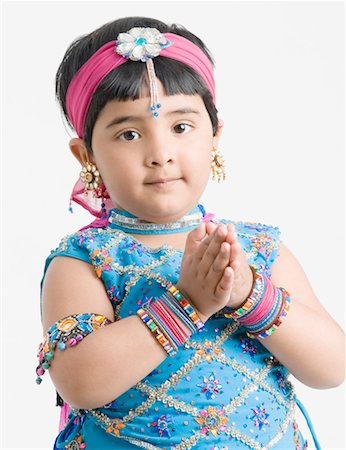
x,y
278,319
64,333
161,337
274,306
186,306
168,315
172,304
264,324
265,308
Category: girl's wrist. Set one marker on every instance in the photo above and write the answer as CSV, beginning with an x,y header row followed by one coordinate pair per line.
x,y
247,291
202,316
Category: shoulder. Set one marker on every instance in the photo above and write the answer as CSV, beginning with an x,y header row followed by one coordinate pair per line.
x,y
81,245
260,242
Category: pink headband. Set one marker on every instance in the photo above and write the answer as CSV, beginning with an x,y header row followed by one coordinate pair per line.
x,y
89,76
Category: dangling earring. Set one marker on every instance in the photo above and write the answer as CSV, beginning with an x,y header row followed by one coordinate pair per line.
x,y
91,178
217,165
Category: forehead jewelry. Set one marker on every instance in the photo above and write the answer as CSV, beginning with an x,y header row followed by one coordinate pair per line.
x,y
144,44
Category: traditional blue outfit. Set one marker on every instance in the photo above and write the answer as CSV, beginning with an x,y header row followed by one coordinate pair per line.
x,y
222,390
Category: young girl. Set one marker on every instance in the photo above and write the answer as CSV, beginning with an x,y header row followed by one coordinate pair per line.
x,y
185,326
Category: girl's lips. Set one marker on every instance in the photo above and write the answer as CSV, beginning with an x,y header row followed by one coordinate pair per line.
x,y
163,180
164,183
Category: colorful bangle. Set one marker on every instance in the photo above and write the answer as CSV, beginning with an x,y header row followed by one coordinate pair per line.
x,y
66,332
186,306
278,319
168,315
273,307
159,334
172,304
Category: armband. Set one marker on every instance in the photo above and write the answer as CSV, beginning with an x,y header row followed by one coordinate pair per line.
x,y
67,332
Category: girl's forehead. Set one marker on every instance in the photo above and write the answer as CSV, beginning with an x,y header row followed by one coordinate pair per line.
x,y
170,104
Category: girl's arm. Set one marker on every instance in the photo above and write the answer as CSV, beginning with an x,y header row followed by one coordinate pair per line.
x,y
308,342
108,361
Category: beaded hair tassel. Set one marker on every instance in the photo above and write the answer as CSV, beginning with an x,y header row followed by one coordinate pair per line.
x,y
67,332
154,91
171,318
265,308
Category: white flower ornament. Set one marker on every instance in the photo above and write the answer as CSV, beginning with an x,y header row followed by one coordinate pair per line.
x,y
141,44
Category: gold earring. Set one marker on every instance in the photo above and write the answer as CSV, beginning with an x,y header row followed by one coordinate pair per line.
x,y
91,178
217,165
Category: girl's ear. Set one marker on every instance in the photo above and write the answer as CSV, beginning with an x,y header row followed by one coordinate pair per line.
x,y
218,134
79,151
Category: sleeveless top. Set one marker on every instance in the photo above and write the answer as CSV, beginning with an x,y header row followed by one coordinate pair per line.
x,y
221,391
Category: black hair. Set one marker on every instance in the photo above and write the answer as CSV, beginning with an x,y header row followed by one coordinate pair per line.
x,y
126,81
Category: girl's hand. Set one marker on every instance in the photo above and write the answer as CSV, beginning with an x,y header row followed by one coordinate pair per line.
x,y
206,276
243,278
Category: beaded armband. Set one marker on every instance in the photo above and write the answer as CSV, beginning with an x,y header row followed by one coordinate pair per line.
x,y
67,332
166,316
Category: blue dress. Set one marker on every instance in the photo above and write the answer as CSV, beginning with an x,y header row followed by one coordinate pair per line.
x,y
221,391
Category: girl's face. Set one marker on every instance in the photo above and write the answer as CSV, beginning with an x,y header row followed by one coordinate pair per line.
x,y
155,168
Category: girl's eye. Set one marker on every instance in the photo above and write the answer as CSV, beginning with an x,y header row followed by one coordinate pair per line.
x,y
129,135
181,128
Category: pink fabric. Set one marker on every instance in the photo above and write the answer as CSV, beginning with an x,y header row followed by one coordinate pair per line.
x,y
208,217
90,203
64,412
90,75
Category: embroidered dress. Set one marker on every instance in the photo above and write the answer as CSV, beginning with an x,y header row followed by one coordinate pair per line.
x,y
221,391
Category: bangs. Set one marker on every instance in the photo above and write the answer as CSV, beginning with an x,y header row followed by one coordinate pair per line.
x,y
128,81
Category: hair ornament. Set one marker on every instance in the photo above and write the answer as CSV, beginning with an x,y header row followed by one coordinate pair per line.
x,y
144,44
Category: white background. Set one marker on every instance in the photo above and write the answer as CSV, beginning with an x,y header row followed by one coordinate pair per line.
x,y
280,90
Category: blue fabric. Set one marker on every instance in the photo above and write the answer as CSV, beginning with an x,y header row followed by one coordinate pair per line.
x,y
221,389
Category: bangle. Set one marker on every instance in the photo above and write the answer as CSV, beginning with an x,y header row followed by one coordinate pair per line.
x,y
161,337
186,306
278,319
255,296
167,316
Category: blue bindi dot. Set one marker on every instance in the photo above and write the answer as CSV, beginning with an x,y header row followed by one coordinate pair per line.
x,y
158,105
155,114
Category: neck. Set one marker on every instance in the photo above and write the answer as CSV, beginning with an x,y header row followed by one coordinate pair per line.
x,y
129,223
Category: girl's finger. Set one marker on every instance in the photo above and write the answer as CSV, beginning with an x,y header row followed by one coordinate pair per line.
x,y
225,285
217,268
236,255
199,254
194,239
212,251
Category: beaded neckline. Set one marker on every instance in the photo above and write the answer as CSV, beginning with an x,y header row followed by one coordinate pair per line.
x,y
127,222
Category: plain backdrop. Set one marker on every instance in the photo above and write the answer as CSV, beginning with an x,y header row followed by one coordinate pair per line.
x,y
280,90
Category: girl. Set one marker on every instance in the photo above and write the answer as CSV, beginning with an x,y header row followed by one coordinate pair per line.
x,y
186,326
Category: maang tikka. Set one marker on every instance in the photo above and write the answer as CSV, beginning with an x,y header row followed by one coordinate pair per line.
x,y
217,166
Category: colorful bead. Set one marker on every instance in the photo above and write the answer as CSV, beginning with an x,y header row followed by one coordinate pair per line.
x,y
71,330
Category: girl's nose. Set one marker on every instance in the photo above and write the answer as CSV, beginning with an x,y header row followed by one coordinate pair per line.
x,y
159,157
